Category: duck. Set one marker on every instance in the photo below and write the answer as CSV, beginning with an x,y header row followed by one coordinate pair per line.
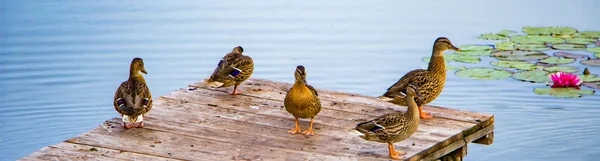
x,y
394,127
302,101
233,69
133,98
430,81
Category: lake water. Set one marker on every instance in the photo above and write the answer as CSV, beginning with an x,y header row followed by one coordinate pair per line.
x,y
60,62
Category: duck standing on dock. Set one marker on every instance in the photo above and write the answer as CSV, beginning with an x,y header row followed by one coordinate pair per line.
x,y
302,101
394,127
133,98
233,69
430,81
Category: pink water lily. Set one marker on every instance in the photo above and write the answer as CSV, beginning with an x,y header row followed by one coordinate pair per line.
x,y
565,80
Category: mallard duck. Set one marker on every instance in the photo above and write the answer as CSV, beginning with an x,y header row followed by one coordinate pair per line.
x,y
394,127
302,101
233,69
133,98
430,81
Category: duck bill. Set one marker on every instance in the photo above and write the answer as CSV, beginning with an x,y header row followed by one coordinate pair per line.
x,y
143,71
455,48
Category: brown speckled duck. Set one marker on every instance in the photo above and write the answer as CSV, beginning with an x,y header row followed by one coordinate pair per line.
x,y
233,69
394,127
133,98
430,81
302,101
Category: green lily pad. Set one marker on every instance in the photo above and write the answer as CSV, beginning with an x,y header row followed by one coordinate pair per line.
x,y
475,48
581,41
483,73
474,53
529,39
532,47
589,78
566,69
557,60
519,65
535,76
594,85
518,55
588,34
597,55
563,92
492,36
591,62
568,47
509,45
570,55
549,30
595,50
507,33
467,59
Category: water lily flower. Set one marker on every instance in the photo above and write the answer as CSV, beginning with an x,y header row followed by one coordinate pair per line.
x,y
565,80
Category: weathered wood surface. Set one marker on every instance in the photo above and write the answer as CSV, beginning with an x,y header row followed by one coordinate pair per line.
x,y
202,123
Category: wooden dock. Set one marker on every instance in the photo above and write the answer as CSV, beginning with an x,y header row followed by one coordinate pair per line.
x,y
202,123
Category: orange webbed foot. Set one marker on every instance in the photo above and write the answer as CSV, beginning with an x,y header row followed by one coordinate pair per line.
x,y
139,125
294,131
308,132
396,157
235,92
126,126
423,114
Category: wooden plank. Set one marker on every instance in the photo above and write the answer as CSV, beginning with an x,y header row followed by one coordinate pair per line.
x,y
277,91
69,151
277,127
183,147
208,124
243,103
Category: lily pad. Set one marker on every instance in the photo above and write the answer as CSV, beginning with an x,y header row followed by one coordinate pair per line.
x,y
519,65
492,36
483,73
557,60
568,47
475,47
529,39
467,59
507,33
591,62
594,85
595,50
535,76
506,46
563,92
581,41
474,53
549,30
589,78
532,47
567,69
597,55
570,55
518,55
588,34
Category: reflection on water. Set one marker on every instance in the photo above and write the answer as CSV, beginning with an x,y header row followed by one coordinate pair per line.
x,y
61,62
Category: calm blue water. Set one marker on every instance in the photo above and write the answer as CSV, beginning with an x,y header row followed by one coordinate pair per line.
x,y
60,61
